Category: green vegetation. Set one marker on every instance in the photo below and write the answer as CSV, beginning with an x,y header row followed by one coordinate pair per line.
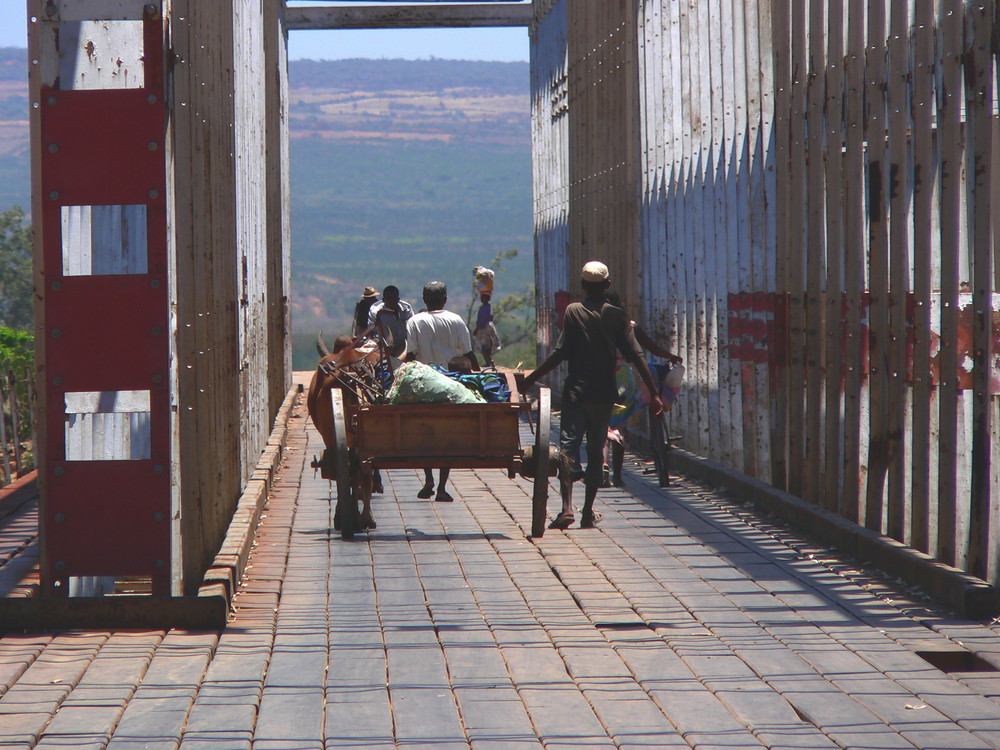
x,y
16,350
402,213
15,270
17,359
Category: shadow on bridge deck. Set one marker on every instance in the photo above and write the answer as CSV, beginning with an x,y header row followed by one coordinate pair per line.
x,y
684,620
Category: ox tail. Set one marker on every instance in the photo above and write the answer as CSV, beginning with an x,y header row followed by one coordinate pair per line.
x,y
321,346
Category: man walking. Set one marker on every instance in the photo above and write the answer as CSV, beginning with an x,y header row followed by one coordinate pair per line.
x,y
433,337
592,332
391,315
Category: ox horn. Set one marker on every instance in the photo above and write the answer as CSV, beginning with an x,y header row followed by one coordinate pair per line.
x,y
320,346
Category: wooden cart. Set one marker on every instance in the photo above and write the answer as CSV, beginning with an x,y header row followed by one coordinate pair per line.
x,y
449,436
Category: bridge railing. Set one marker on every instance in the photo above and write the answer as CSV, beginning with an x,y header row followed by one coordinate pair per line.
x,y
17,427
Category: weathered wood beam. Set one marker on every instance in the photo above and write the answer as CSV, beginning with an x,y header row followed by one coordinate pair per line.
x,y
409,16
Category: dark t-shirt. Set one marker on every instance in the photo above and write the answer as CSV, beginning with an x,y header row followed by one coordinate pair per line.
x,y
588,342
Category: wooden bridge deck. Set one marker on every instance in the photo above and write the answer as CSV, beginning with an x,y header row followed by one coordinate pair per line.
x,y
683,621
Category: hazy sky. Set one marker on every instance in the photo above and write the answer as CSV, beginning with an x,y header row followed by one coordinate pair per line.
x,y
412,44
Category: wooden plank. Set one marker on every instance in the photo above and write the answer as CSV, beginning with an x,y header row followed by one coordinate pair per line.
x,y
834,107
727,245
760,114
409,17
676,178
951,144
855,377
713,216
979,102
815,250
695,226
686,184
779,374
795,249
897,409
35,83
743,88
278,225
924,179
93,10
878,268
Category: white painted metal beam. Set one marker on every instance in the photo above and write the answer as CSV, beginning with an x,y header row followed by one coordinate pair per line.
x,y
409,16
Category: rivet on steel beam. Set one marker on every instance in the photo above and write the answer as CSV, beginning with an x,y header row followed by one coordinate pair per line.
x,y
52,101
158,516
59,471
150,9
53,148
157,378
57,380
56,333
60,565
56,286
155,330
54,195
154,284
151,98
157,563
158,468
152,145
154,194
60,517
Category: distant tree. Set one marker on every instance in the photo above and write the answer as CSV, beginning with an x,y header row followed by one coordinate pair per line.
x,y
15,270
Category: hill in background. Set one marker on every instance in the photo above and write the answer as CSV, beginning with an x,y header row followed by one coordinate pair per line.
x,y
401,171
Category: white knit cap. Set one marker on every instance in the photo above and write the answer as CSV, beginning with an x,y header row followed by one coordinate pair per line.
x,y
594,270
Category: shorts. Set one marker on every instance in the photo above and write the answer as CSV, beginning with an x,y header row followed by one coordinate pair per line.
x,y
588,420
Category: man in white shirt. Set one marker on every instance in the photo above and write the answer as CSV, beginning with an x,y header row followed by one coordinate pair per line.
x,y
433,337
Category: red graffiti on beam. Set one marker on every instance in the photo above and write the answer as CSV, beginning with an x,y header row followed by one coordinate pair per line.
x,y
758,328
758,334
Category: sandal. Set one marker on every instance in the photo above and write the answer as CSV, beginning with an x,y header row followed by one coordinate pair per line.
x,y
562,521
589,521
443,497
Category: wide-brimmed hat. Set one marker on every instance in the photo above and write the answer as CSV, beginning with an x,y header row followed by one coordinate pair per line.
x,y
594,271
369,292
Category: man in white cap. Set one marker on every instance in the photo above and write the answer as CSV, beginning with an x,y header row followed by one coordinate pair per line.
x,y
592,331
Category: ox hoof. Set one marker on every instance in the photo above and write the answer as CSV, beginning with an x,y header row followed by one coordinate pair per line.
x,y
368,523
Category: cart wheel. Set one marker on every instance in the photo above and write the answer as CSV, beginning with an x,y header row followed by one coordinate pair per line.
x,y
540,496
661,448
346,513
